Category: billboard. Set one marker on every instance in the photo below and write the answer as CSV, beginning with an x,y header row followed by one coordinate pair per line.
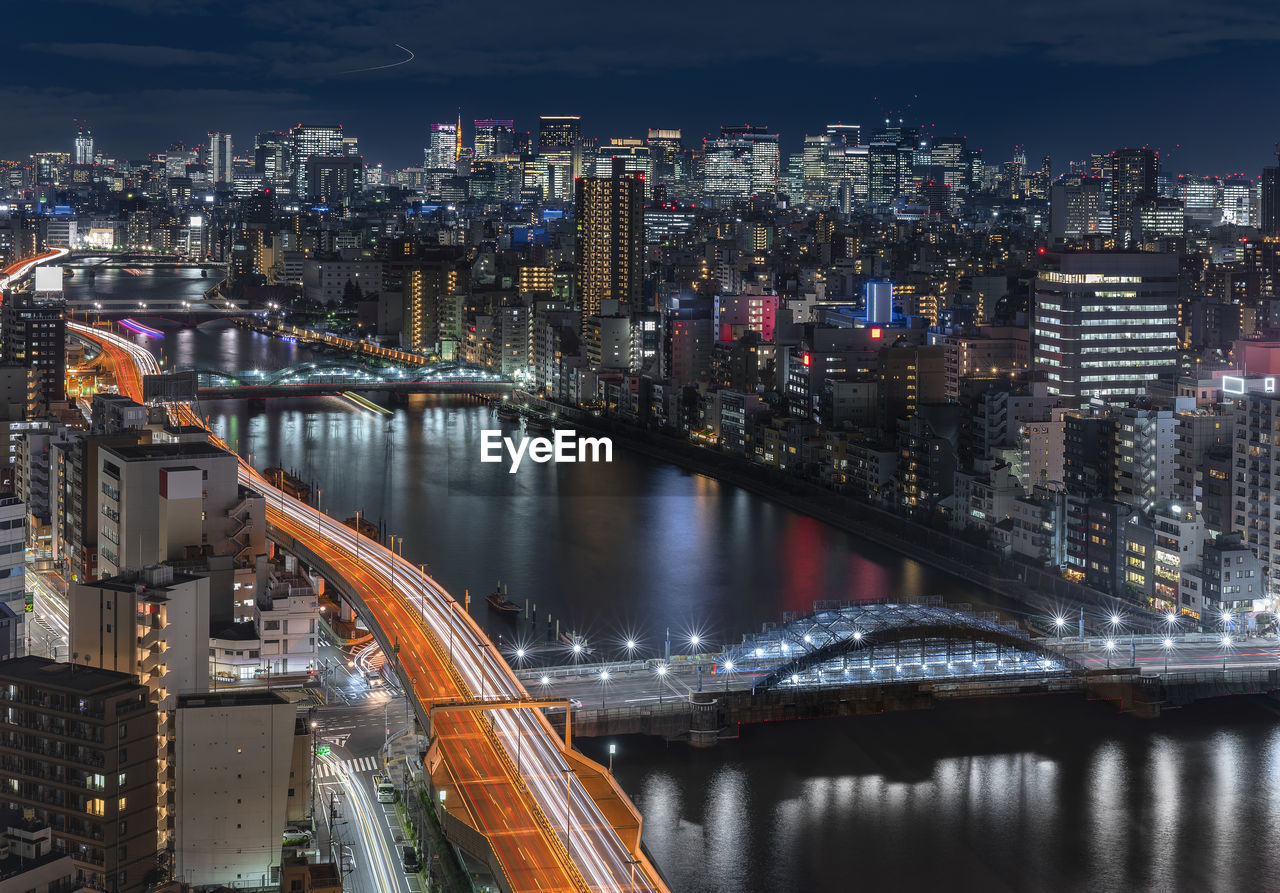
x,y
49,278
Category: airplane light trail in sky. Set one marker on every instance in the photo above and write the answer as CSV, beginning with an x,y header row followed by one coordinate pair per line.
x,y
380,67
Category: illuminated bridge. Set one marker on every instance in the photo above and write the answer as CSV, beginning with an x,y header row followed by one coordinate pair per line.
x,y
866,642
334,376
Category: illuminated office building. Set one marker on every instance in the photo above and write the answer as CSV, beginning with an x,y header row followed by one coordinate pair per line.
x,y
494,137
442,149
271,159
636,157
307,142
1105,324
83,147
559,154
1133,181
220,169
726,174
765,158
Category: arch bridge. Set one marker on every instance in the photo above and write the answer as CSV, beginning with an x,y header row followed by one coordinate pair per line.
x,y
851,643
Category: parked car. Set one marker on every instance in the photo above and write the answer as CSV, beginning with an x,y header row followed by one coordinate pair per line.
x,y
409,856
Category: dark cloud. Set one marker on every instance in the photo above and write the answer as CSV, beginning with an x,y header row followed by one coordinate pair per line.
x,y
1073,77
132,54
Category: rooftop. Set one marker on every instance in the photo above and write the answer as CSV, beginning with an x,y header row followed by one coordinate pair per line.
x,y
230,699
53,674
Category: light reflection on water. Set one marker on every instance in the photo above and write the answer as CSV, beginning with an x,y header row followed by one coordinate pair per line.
x,y
1029,794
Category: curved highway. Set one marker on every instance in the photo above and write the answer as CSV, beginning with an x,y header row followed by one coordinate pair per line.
x,y
545,828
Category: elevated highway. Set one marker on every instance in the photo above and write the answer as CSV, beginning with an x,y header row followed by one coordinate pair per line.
x,y
545,817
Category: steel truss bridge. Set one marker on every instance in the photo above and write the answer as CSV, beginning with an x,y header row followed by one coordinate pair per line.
x,y
874,643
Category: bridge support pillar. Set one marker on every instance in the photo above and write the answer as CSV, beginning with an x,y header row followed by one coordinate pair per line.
x,y
348,613
704,720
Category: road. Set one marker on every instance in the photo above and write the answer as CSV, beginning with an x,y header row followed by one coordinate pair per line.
x,y
546,830
638,683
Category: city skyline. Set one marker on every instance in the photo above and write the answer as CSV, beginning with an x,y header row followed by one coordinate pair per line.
x,y
1058,85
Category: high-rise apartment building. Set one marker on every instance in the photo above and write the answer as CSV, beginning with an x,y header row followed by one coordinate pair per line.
x,y
35,337
219,163
609,239
1105,324
1133,182
79,752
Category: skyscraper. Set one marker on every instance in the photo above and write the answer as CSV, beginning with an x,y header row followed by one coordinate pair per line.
x,y
220,169
308,141
609,238
1133,181
442,149
494,136
84,146
271,159
1106,324
1269,204
726,171
668,155
765,157
559,154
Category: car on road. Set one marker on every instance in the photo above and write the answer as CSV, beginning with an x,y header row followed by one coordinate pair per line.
x,y
386,790
373,678
296,837
409,856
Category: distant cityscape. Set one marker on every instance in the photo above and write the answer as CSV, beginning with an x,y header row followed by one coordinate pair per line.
x,y
1055,382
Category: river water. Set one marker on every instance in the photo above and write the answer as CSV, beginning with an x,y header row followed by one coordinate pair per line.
x,y
1020,795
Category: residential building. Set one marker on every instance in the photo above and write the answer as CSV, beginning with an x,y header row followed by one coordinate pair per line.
x,y
79,754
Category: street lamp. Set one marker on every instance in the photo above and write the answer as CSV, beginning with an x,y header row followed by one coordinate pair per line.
x,y
1168,646
612,748
1111,646
1226,643
1059,622
728,668
662,679
604,686
631,649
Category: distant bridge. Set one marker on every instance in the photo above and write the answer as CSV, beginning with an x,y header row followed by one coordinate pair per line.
x,y
113,259
845,660
335,376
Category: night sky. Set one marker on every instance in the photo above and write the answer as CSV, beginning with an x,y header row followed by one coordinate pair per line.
x,y
1196,80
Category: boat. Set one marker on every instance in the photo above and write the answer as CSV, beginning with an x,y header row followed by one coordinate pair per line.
x,y
204,273
499,602
538,423
508,412
68,273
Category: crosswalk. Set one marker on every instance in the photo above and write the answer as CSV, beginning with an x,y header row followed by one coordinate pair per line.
x,y
325,769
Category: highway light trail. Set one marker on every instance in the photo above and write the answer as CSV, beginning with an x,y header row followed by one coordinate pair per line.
x,y
546,830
